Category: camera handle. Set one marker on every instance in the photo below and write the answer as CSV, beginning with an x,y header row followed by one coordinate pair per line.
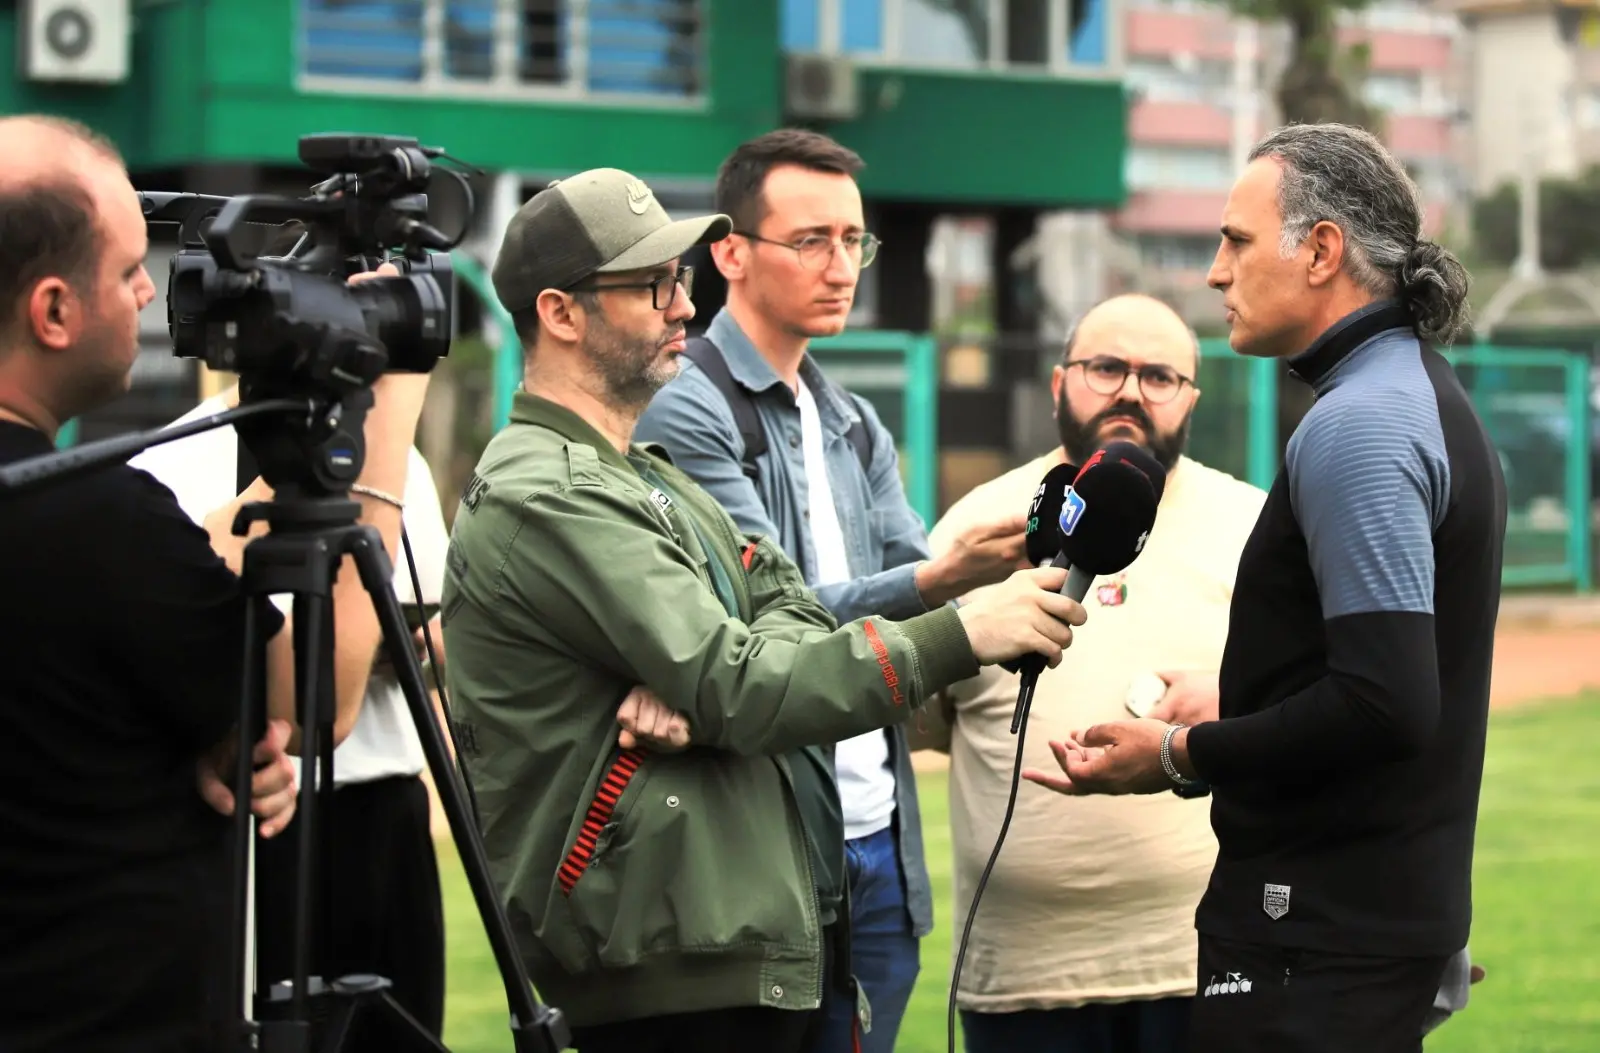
x,y
307,541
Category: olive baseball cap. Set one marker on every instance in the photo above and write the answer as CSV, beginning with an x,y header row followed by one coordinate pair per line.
x,y
595,222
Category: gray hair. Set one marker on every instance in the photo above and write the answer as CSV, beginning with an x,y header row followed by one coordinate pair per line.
x,y
1344,175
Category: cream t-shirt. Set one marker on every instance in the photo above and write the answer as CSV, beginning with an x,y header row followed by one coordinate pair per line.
x,y
1092,898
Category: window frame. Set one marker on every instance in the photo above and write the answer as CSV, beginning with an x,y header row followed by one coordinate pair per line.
x,y
503,86
830,33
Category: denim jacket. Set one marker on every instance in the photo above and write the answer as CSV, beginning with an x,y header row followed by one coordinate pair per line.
x,y
884,538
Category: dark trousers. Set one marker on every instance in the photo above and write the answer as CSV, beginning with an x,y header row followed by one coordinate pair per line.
x,y
1154,1026
746,1029
1260,999
883,952
382,915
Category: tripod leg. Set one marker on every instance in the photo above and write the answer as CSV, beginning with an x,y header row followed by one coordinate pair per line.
x,y
313,688
251,724
534,1027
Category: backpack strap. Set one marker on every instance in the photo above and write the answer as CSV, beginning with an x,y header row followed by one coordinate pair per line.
x,y
858,434
703,353
708,357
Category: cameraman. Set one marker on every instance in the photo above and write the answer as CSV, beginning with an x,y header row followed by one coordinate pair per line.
x,y
382,913
122,642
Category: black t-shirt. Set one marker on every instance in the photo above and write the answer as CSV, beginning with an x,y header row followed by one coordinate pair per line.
x,y
122,635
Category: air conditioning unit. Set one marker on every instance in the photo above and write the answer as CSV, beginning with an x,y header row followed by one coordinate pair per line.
x,y
86,41
821,87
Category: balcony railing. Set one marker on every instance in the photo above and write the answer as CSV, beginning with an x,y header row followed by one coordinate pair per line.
x,y
630,49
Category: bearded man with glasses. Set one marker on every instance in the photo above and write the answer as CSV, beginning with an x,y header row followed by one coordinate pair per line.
x,y
1115,880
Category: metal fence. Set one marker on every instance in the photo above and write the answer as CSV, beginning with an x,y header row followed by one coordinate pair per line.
x,y
1535,403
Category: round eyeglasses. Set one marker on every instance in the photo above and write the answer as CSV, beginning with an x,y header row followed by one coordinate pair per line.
x,y
1107,375
816,250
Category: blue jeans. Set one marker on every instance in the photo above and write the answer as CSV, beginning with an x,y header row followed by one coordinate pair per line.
x,y
1157,1026
883,953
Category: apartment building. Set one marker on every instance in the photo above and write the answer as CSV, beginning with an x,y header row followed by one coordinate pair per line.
x,y
1202,86
1535,87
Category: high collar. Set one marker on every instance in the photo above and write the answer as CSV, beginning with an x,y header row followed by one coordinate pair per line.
x,y
1316,363
543,413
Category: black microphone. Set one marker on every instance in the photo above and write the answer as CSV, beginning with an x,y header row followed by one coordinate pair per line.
x,y
1103,519
1042,536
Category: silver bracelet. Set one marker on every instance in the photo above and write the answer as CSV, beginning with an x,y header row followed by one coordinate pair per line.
x,y
387,498
1166,757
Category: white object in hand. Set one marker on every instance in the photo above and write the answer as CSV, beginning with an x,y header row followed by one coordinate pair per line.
x,y
1144,692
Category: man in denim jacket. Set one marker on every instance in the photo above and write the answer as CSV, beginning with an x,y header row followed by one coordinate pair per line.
x,y
828,490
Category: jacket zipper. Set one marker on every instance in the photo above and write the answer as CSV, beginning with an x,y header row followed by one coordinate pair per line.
x,y
811,880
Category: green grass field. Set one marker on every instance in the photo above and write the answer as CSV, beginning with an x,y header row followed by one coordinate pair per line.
x,y
1536,905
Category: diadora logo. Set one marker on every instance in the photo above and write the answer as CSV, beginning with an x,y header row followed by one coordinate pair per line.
x,y
1233,983
1072,507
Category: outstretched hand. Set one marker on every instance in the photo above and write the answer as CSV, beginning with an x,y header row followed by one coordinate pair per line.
x,y
1116,758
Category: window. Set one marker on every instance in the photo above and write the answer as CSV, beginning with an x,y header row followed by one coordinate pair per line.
x,y
964,34
1395,92
498,47
1177,252
1178,168
1185,80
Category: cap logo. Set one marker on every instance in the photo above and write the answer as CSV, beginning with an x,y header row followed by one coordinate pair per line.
x,y
638,197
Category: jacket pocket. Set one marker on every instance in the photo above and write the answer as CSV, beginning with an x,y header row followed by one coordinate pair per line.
x,y
698,854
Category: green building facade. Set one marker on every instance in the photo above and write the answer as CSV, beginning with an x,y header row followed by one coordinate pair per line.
x,y
1005,108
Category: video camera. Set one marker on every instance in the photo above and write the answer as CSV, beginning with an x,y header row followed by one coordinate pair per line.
x,y
243,312
289,324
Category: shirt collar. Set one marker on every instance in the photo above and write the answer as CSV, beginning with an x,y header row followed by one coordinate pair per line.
x,y
745,361
1317,363
750,368
543,413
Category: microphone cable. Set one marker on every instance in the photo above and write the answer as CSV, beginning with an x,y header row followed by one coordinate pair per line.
x,y
1020,728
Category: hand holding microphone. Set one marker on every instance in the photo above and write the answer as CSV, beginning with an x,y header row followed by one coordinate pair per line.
x,y
1028,614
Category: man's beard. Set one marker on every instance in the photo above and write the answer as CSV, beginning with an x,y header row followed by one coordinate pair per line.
x,y
1081,441
631,367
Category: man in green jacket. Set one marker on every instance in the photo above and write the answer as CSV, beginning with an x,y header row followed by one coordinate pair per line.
x,y
664,900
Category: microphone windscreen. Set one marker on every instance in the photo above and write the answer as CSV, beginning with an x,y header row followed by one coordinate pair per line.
x,y
1112,508
1042,537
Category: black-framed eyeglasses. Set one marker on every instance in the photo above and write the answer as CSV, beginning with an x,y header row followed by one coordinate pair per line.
x,y
663,289
816,250
1106,375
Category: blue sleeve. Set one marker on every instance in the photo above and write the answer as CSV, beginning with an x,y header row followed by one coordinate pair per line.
x,y
1369,481
691,419
892,592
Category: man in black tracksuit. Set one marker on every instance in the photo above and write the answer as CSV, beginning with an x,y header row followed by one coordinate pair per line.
x,y
1346,765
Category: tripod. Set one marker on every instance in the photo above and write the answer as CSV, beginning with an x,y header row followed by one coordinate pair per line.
x,y
312,526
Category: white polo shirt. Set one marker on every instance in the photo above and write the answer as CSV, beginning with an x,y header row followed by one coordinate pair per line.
x,y
201,470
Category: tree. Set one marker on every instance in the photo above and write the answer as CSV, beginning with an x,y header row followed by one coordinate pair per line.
x,y
1321,83
1569,222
